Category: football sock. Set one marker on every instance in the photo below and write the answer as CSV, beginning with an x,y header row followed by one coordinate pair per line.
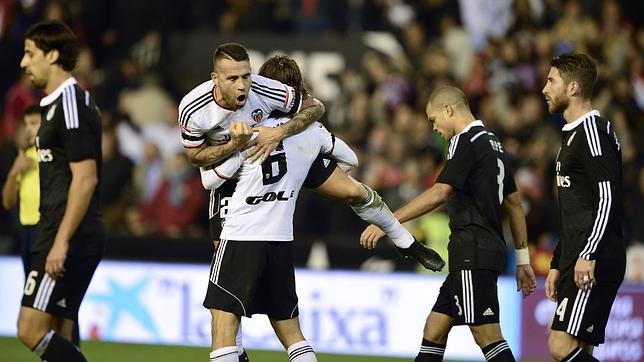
x,y
430,352
225,354
374,211
301,352
54,348
498,351
579,355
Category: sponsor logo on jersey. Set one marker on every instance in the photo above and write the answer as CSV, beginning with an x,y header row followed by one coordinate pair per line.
x,y
257,115
562,180
45,155
570,139
50,112
269,197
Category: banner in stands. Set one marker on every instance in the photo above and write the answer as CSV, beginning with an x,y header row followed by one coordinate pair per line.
x,y
624,332
341,312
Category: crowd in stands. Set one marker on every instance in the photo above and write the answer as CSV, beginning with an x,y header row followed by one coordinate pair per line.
x,y
150,188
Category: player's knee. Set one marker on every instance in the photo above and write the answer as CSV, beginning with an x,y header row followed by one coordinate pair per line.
x,y
355,194
486,334
28,334
435,335
559,346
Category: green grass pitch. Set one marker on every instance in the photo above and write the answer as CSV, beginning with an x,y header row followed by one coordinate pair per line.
x,y
11,350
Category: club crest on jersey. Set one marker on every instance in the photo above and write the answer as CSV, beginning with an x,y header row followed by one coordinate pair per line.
x,y
257,115
50,113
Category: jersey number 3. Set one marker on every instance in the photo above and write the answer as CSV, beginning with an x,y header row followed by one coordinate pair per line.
x,y
499,178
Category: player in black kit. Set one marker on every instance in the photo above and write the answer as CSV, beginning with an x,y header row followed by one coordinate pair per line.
x,y
71,235
590,258
475,183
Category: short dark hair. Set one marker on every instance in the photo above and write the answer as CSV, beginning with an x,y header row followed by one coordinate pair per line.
x,y
577,67
233,51
55,35
285,70
32,109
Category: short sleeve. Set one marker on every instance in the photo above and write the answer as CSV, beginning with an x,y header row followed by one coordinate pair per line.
x,y
80,129
192,135
276,95
460,162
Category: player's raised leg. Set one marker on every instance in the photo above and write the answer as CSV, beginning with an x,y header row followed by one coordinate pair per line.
x,y
370,207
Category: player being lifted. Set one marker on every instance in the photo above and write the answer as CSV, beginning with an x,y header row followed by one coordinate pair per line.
x,y
475,183
232,94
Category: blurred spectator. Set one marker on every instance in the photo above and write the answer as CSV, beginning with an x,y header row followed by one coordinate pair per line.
x,y
116,181
175,207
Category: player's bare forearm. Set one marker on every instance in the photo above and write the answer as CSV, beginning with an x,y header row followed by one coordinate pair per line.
x,y
513,206
82,186
204,155
424,203
10,191
312,110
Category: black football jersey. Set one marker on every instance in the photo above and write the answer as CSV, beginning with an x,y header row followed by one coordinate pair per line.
x,y
70,131
589,195
477,170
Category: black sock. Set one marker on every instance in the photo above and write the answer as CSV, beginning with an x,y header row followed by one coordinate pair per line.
x,y
430,352
579,355
244,357
498,351
54,348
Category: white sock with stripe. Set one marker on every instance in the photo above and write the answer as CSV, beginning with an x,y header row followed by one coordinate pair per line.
x,y
374,211
225,354
301,352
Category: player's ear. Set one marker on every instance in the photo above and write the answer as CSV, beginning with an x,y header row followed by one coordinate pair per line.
x,y
573,88
52,56
213,76
449,111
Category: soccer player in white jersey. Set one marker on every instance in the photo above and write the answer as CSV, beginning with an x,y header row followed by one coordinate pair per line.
x,y
252,270
233,95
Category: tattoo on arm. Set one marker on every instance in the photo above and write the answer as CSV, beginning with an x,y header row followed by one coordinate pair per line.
x,y
303,119
208,155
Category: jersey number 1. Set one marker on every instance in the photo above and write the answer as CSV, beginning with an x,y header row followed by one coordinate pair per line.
x,y
499,178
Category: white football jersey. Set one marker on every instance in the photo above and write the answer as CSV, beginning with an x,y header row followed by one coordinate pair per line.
x,y
201,119
262,206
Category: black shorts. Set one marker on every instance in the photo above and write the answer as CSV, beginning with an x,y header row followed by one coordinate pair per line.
x,y
253,277
61,297
320,171
469,297
584,314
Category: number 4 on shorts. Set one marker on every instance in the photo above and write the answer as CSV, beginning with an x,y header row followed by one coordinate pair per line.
x,y
561,309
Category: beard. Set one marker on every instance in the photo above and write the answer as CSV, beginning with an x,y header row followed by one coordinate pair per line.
x,y
558,104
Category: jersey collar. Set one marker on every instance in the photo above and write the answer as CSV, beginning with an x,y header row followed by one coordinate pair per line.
x,y
472,124
49,99
577,122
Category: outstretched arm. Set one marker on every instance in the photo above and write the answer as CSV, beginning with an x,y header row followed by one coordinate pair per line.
x,y
422,204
